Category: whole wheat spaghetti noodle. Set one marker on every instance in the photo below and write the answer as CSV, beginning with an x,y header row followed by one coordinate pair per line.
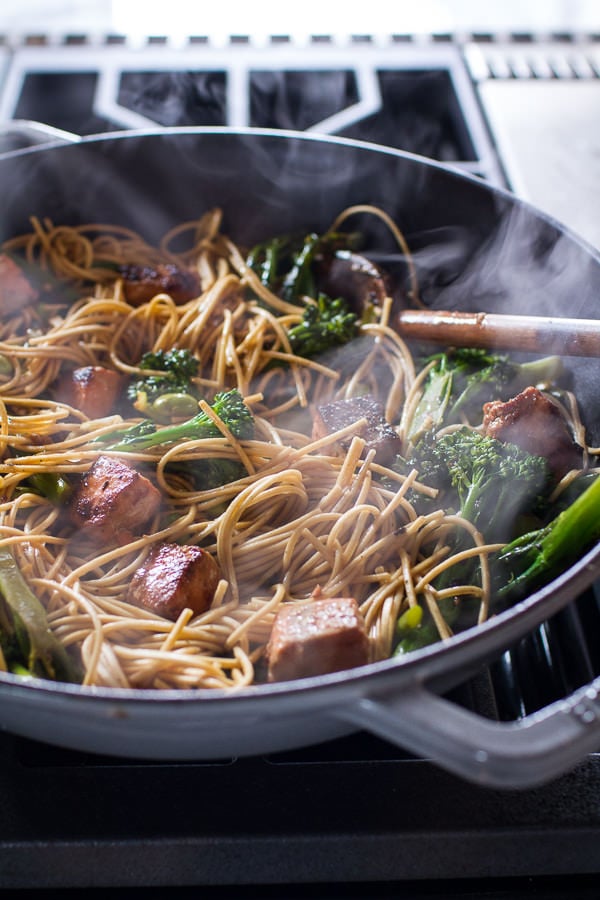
x,y
301,516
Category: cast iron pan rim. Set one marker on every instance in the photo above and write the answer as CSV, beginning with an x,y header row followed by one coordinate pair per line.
x,y
309,137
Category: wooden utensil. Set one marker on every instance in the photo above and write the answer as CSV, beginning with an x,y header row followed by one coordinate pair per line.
x,y
536,334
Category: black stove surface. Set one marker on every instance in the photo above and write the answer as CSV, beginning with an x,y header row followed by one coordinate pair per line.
x,y
264,821
347,812
571,888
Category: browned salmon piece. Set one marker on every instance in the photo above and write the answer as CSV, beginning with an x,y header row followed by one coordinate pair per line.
x,y
377,432
93,390
174,578
15,290
533,422
316,638
113,500
142,283
358,280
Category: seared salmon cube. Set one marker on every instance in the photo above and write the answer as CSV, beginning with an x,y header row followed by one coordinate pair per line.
x,y
175,577
376,432
355,278
93,390
316,638
114,500
15,290
533,422
142,283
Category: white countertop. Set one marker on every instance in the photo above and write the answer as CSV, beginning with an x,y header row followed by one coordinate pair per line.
x,y
310,16
548,135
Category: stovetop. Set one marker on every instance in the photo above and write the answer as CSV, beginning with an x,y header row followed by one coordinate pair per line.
x,y
350,811
417,98
356,815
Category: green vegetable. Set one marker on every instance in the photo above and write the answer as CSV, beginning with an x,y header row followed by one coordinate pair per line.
x,y
491,484
299,281
265,259
229,406
463,379
539,556
409,620
325,324
28,645
487,481
166,392
207,474
424,631
6,367
288,265
524,565
52,485
284,265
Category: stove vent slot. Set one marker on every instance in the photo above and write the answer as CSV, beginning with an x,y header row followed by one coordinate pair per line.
x,y
561,57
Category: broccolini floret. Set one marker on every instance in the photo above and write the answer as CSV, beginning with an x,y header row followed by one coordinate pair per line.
x,y
166,391
487,481
325,324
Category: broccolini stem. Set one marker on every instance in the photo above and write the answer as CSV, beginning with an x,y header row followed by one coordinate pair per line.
x,y
229,406
539,556
200,426
52,485
421,633
299,281
45,655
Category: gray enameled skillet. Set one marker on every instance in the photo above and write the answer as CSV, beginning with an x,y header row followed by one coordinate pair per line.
x,y
476,248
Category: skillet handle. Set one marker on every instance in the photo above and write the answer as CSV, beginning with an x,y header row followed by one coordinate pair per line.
x,y
518,754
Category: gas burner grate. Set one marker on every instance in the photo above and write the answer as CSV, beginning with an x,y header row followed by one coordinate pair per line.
x,y
416,97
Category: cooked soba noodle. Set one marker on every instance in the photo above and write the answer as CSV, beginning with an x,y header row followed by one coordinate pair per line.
x,y
303,516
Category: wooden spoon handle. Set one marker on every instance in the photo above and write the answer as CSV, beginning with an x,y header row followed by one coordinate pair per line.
x,y
536,334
